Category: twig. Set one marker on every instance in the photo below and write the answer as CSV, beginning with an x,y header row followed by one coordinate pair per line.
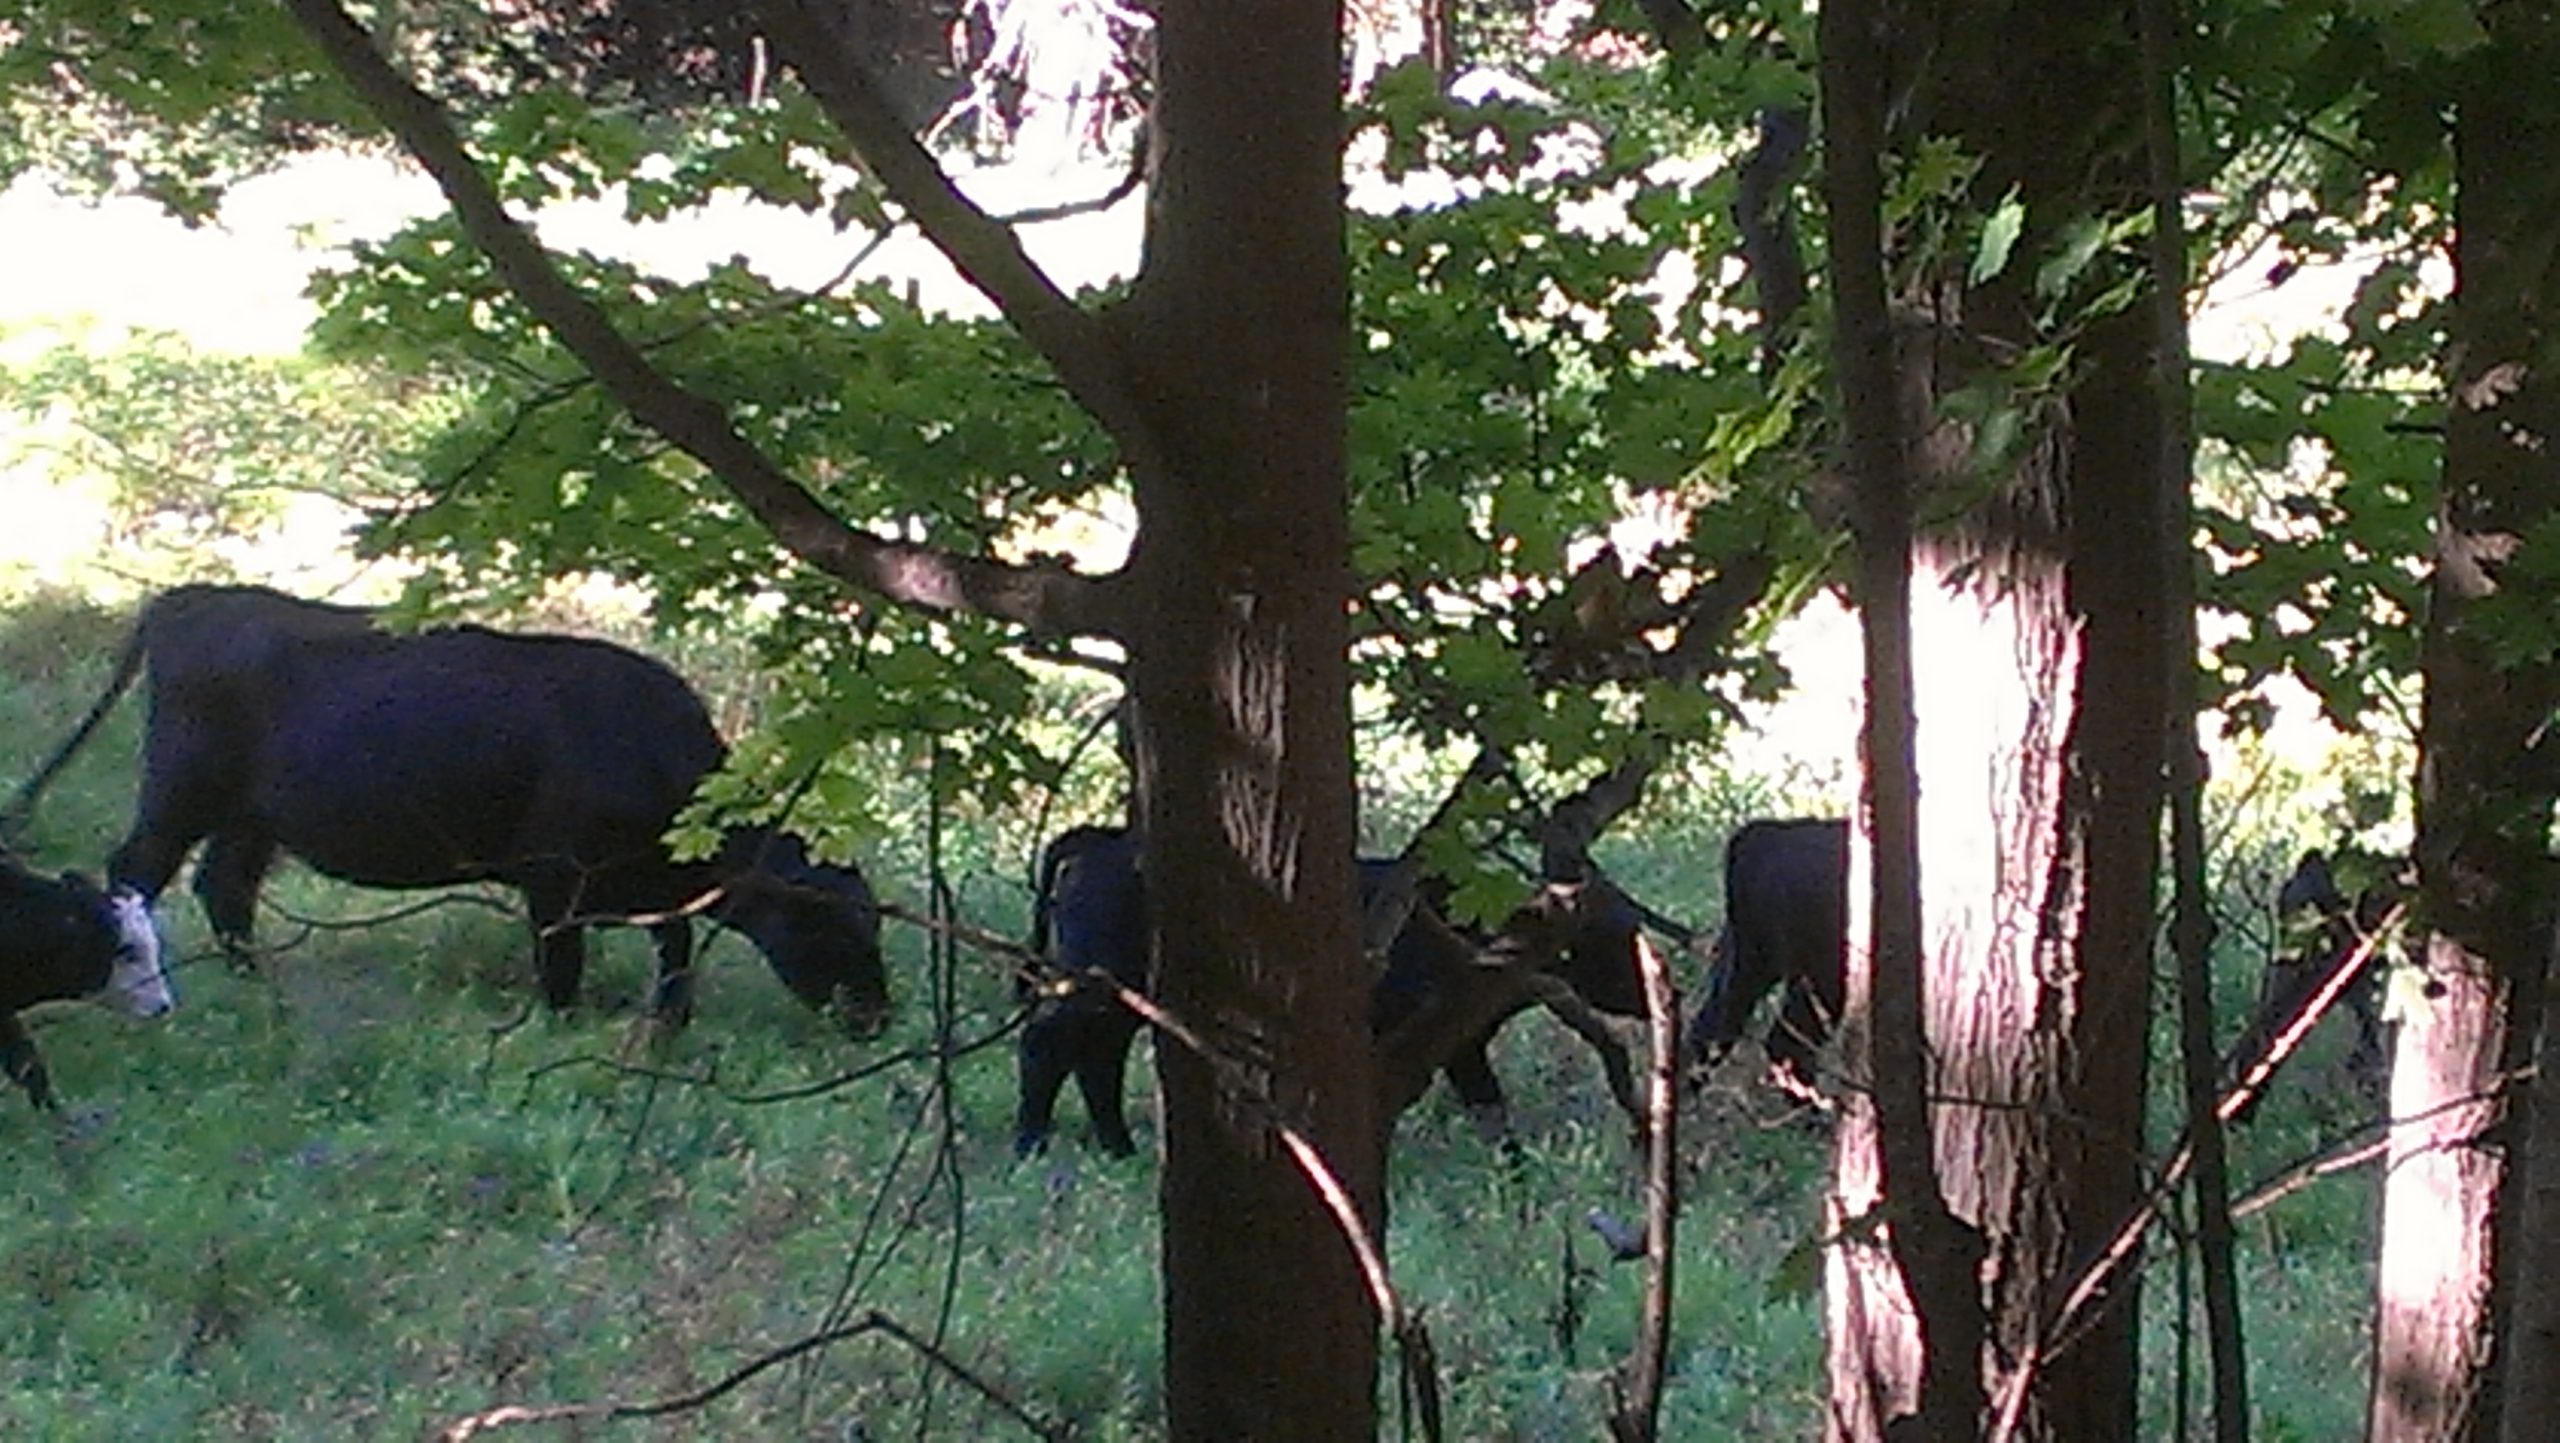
x,y
1012,1024
2073,1315
1639,1409
874,1321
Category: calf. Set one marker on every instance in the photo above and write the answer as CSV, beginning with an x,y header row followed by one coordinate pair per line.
x,y
1089,915
1786,925
61,938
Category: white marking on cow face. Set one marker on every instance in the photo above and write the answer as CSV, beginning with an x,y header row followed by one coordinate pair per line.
x,y
136,983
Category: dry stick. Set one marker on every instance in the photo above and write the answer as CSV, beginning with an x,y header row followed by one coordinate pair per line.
x,y
1640,1405
874,1321
2072,1314
1413,1342
2302,1175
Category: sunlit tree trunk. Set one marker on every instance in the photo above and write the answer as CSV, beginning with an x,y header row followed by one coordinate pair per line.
x,y
2484,813
2038,680
1236,342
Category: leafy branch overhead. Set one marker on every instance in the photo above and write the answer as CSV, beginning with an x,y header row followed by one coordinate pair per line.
x,y
1503,425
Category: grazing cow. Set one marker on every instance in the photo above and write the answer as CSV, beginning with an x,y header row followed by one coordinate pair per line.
x,y
547,763
60,939
1786,924
1597,963
1089,915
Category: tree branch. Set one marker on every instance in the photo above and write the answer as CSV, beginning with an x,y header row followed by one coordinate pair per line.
x,y
984,249
874,1321
1044,598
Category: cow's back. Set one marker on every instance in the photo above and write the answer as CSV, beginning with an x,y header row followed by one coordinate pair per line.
x,y
418,758
465,754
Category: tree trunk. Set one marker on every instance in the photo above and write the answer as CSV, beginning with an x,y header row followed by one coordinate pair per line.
x,y
1236,338
2532,1371
2483,812
1934,1255
2038,685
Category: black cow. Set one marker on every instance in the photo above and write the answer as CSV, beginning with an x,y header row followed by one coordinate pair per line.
x,y
1090,916
1786,924
551,764
60,939
2329,927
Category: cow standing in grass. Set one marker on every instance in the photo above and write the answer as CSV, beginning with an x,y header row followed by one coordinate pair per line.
x,y
62,939
1786,927
1089,919
550,764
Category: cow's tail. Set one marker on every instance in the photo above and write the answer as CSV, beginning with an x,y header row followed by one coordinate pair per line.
x,y
22,805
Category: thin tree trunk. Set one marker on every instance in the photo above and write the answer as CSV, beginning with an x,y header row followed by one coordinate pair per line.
x,y
2191,925
1237,339
2532,1373
1936,1255
2449,1219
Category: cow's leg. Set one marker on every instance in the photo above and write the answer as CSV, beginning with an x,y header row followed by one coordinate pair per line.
x,y
2370,1062
673,1000
191,782
559,947
1047,1050
1102,1067
227,880
1793,1041
25,1068
1470,1074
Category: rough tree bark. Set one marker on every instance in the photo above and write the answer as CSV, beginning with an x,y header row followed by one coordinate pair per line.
x,y
1237,339
2483,813
1935,1254
2038,688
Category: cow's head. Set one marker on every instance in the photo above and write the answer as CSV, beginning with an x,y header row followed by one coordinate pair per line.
x,y
816,923
69,940
137,982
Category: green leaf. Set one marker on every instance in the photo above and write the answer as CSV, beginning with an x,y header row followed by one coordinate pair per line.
x,y
1999,238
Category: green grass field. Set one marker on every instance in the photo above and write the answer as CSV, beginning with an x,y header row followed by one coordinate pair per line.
x,y
367,1191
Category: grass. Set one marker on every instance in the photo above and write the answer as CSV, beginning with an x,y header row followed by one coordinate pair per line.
x,y
363,1193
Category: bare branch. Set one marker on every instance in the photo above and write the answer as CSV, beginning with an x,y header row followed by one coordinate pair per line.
x,y
2094,1282
874,1321
1638,1414
1044,598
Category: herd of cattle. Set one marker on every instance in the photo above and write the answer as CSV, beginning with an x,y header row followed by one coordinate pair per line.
x,y
555,766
